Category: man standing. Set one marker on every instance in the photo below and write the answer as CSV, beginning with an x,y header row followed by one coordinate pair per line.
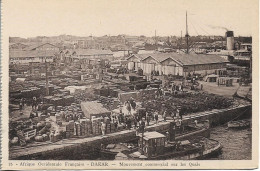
x,y
21,104
103,128
34,103
164,116
148,119
156,117
128,107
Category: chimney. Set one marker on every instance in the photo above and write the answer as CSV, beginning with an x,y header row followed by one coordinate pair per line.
x,y
230,40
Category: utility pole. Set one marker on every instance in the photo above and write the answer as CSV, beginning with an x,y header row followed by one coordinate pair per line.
x,y
180,42
46,74
187,34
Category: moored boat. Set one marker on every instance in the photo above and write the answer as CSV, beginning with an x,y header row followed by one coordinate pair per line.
x,y
153,146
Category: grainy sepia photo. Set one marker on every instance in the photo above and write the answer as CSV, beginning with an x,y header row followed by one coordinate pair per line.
x,y
129,84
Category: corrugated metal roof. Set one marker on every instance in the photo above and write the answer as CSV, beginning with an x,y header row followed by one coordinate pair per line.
x,y
152,135
23,54
93,107
36,45
185,59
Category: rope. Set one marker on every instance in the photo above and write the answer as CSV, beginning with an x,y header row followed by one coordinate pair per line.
x,y
194,28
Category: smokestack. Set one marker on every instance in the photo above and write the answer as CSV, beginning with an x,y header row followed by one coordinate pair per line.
x,y
230,40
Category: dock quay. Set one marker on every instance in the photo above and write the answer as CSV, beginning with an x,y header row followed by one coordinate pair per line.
x,y
86,146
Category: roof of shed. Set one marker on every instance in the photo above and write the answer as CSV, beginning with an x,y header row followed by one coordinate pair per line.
x,y
153,135
184,59
93,107
22,53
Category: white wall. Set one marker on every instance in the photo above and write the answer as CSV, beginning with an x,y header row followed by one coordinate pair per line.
x,y
27,60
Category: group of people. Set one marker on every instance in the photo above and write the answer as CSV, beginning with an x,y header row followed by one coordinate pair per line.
x,y
173,88
130,104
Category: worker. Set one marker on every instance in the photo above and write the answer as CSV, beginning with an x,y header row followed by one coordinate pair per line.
x,y
120,117
135,122
148,119
103,128
133,104
131,100
128,107
142,125
156,117
164,116
181,87
34,103
196,123
116,125
167,136
178,112
21,104
31,115
128,123
151,115
201,86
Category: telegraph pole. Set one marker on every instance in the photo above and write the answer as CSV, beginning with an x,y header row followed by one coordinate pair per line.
x,y
187,34
46,74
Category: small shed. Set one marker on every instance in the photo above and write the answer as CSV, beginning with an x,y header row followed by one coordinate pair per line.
x,y
93,108
153,143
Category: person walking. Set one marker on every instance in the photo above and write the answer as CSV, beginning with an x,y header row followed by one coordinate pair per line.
x,y
201,86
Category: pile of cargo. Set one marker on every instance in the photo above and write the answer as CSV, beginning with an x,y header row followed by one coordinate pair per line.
x,y
86,129
84,95
186,103
108,91
96,126
38,129
59,100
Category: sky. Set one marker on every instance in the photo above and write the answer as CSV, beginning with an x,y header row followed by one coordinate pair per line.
x,y
29,18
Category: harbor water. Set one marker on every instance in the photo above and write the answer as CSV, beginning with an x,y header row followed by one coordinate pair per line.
x,y
237,143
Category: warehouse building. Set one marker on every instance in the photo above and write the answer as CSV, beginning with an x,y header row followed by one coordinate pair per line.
x,y
176,64
26,57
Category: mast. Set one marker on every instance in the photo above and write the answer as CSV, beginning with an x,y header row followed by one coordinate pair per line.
x,y
187,34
